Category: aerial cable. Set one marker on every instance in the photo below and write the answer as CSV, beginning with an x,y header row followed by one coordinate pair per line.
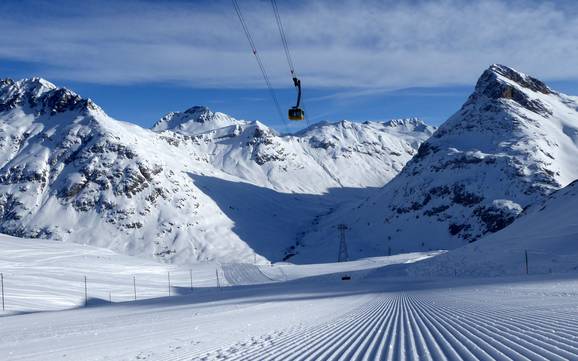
x,y
287,52
259,62
283,37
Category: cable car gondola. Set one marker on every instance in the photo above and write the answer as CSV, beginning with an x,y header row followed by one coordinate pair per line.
x,y
296,113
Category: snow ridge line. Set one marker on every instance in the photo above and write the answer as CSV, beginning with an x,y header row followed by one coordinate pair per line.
x,y
406,326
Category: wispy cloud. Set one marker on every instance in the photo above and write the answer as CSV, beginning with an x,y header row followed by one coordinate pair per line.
x,y
370,92
372,45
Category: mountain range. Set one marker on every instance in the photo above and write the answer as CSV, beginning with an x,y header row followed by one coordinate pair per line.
x,y
202,185
199,185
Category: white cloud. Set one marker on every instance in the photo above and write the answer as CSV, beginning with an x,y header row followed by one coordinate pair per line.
x,y
365,44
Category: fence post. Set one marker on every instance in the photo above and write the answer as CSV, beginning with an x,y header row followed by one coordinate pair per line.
x,y
526,256
191,277
169,279
85,293
109,297
218,282
2,281
134,286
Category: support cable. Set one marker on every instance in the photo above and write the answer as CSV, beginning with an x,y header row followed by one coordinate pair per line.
x,y
259,62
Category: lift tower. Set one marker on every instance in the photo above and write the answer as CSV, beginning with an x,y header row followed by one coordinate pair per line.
x,y
343,255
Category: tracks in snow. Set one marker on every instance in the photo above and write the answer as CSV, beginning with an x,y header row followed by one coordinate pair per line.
x,y
416,326
244,274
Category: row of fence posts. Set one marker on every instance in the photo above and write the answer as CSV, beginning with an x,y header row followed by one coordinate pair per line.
x,y
85,284
133,287
110,293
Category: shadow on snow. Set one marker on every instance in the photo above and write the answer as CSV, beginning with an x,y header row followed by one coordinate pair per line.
x,y
271,222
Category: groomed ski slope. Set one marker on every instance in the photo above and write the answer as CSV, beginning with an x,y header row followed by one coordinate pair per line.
x,y
307,313
515,320
418,325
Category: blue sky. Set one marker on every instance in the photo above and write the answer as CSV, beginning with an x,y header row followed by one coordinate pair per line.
x,y
358,60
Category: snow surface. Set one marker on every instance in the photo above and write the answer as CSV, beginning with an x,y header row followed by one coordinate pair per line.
x,y
376,315
41,275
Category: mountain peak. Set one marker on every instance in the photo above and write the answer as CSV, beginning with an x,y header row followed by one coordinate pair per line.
x,y
405,122
40,96
200,114
198,109
497,80
500,83
39,82
197,119
31,87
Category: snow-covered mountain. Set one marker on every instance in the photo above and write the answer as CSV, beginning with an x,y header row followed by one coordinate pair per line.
x,y
321,157
70,172
511,144
546,235
201,185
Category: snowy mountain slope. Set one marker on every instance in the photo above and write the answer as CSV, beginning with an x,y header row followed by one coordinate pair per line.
x,y
291,180
510,145
343,154
547,232
70,172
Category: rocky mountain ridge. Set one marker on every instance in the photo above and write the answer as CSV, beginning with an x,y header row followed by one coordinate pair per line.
x,y
512,143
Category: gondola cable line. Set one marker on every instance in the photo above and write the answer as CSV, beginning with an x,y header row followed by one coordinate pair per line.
x,y
294,113
283,38
259,62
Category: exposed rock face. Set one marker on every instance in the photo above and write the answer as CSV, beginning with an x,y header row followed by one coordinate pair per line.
x,y
545,232
510,145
